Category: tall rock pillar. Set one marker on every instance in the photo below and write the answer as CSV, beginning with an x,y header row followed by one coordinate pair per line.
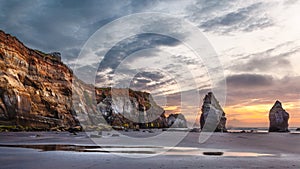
x,y
278,118
213,116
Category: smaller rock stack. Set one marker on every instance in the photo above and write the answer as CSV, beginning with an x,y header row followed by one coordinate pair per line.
x,y
278,118
177,121
212,117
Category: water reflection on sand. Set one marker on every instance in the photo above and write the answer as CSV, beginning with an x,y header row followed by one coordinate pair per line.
x,y
180,151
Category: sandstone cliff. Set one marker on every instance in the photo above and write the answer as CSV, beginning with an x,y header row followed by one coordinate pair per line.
x,y
36,93
130,109
34,87
278,118
213,116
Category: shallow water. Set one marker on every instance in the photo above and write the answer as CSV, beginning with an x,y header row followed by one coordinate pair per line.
x,y
180,151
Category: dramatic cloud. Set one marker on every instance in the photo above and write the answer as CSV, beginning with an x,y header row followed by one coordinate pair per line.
x,y
277,58
243,19
249,80
123,50
60,25
250,97
128,46
254,86
226,17
257,42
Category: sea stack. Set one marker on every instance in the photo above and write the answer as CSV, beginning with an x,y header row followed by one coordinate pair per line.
x,y
278,118
213,116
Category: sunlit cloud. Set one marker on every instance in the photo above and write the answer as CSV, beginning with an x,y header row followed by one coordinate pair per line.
x,y
257,42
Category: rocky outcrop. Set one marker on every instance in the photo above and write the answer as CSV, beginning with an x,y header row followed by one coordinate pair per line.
x,y
36,92
213,116
177,121
130,109
35,88
278,118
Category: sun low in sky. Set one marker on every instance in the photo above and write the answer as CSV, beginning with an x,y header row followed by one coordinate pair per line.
x,y
257,43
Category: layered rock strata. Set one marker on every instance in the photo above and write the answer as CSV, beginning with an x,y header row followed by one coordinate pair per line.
x,y
38,91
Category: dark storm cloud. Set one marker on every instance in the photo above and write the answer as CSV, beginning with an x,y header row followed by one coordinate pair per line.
x,y
243,19
143,81
245,87
264,64
249,80
61,25
126,47
151,75
133,44
65,25
146,83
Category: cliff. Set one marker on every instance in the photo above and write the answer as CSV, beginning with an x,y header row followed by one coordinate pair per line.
x,y
213,116
278,118
37,93
137,111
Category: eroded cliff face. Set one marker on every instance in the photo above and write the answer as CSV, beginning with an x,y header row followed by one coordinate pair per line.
x,y
130,109
278,118
38,91
116,108
212,109
34,87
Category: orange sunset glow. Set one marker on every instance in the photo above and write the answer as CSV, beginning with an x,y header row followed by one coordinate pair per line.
x,y
256,115
245,114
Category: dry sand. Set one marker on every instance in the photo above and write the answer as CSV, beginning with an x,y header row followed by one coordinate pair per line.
x,y
241,150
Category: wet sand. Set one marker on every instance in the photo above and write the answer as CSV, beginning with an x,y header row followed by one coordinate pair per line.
x,y
237,150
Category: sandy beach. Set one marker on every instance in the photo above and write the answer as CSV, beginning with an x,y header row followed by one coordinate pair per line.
x,y
239,150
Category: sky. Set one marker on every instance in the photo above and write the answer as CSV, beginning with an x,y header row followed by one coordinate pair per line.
x,y
256,45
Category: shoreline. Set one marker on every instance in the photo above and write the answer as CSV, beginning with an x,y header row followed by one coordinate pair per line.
x,y
269,141
227,150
